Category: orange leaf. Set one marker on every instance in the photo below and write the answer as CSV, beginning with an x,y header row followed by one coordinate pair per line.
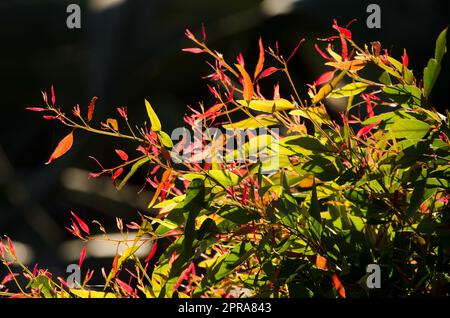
x,y
64,146
247,83
321,263
260,64
160,187
91,108
114,264
353,65
113,124
338,285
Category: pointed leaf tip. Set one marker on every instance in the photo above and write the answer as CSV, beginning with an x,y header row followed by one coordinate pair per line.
x,y
63,147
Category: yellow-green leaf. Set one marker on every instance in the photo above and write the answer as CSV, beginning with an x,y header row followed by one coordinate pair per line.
x,y
133,170
317,114
224,177
256,122
348,90
327,88
154,120
82,293
268,106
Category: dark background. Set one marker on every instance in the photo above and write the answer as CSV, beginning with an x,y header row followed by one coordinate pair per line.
x,y
130,50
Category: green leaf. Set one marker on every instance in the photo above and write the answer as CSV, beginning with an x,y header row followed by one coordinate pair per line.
x,y
154,120
430,75
314,209
207,229
327,88
441,46
385,78
307,142
322,168
43,284
268,106
409,128
238,215
228,262
433,68
224,177
349,90
254,122
133,170
407,74
318,114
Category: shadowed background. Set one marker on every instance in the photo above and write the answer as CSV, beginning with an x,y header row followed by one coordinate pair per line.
x,y
130,50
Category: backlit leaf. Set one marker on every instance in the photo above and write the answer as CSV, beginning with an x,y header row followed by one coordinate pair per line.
x,y
268,106
247,83
133,170
154,120
348,90
63,147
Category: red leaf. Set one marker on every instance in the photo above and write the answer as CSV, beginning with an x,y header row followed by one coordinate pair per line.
x,y
123,112
346,32
117,173
268,71
76,111
64,146
152,252
344,47
276,91
82,257
295,49
324,78
240,60
44,97
36,109
63,282
125,287
365,130
74,229
53,95
49,117
247,83
8,278
260,64
11,247
322,53
194,50
91,108
2,249
189,34
203,32
122,154
184,276
338,285
405,59
82,224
